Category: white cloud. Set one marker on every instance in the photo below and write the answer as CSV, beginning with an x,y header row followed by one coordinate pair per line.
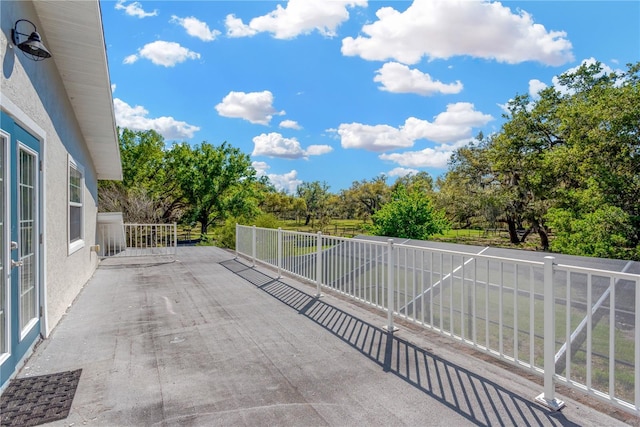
x,y
275,145
134,9
136,118
505,107
260,167
372,138
288,182
163,53
400,172
535,86
297,17
196,28
399,78
130,59
113,87
429,157
451,126
440,29
237,28
318,150
290,124
255,107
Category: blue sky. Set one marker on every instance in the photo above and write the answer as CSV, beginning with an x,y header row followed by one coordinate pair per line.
x,y
341,91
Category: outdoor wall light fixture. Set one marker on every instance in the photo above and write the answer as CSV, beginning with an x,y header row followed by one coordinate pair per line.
x,y
32,46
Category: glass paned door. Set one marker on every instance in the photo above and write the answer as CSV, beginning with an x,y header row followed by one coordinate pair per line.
x,y
27,244
20,245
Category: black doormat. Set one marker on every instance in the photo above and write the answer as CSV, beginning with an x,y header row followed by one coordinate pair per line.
x,y
37,400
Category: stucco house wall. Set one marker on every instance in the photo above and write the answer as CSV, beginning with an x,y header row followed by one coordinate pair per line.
x,y
36,92
36,96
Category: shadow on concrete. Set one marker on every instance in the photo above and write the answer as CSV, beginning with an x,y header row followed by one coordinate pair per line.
x,y
478,399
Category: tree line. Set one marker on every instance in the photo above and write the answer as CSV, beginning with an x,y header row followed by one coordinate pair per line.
x,y
565,166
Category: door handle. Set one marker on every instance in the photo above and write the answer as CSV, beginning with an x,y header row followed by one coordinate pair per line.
x,y
14,245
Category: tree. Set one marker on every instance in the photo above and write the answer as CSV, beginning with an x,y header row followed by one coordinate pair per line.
x,y
564,158
408,215
216,181
597,211
365,197
470,193
281,204
147,192
315,194
604,232
516,156
421,181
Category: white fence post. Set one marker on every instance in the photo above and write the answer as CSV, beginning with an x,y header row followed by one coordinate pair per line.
x,y
253,246
319,265
237,239
547,398
175,238
390,288
279,252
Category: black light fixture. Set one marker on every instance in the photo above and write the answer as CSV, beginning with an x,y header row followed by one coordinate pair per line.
x,y
32,46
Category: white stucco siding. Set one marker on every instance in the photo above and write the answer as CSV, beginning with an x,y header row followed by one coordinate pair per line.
x,y
34,91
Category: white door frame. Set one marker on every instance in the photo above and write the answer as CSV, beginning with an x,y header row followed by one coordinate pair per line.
x,y
27,123
6,261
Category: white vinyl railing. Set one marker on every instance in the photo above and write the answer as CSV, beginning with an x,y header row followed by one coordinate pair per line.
x,y
130,240
572,325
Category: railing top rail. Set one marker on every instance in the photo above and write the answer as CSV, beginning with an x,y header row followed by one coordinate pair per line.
x,y
468,254
131,224
404,245
599,272
565,267
301,233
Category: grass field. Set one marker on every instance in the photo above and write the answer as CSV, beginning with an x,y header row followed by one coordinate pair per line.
x,y
354,227
351,227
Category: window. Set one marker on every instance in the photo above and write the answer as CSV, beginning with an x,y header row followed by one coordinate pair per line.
x,y
76,207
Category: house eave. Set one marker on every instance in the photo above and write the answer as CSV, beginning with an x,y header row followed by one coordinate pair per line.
x,y
73,33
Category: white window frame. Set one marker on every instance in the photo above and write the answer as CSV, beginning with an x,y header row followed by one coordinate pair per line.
x,y
76,245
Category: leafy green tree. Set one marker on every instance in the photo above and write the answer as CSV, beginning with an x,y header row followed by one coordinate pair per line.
x,y
421,181
600,161
142,155
464,193
563,158
315,195
216,181
409,215
365,197
299,207
516,156
147,192
334,207
281,204
604,232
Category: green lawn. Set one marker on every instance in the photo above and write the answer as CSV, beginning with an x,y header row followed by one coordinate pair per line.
x,y
354,227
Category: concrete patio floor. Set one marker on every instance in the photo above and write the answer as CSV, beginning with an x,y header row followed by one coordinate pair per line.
x,y
205,340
